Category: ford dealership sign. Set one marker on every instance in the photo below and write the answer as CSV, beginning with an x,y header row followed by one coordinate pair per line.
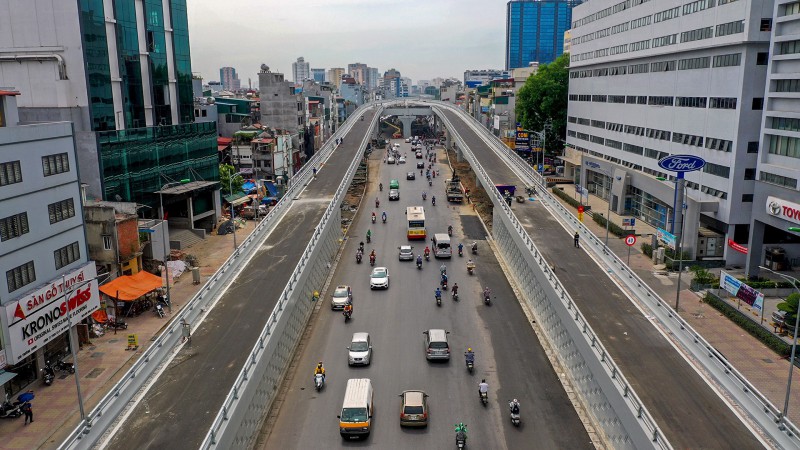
x,y
681,163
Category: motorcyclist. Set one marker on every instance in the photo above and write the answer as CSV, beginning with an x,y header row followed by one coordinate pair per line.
x,y
320,369
419,259
470,263
487,292
443,269
373,216
450,230
433,200
424,195
383,216
380,186
437,293
361,246
444,279
455,289
369,235
348,309
469,356
460,248
427,251
513,405
377,202
483,387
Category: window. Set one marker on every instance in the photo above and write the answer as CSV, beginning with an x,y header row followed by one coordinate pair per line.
x,y
13,226
783,145
666,15
750,174
691,102
616,99
599,98
687,139
722,102
663,66
633,149
107,243
658,134
614,144
698,34
638,68
598,124
752,147
762,58
699,5
758,103
655,154
766,25
771,178
694,63
665,40
788,47
640,22
787,86
788,9
582,121
783,123
61,210
640,45
747,198
638,131
660,100
722,145
20,276
732,59
55,164
725,29
572,119
717,170
67,255
10,173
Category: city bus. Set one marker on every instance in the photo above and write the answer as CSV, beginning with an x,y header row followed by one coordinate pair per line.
x,y
416,222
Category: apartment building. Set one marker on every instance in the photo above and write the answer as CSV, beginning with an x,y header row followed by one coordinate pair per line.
x,y
651,79
775,229
43,251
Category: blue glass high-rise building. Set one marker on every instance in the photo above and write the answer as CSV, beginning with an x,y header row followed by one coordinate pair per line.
x,y
535,30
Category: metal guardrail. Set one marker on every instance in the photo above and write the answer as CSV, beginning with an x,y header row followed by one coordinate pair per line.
x,y
757,405
636,410
234,426
102,417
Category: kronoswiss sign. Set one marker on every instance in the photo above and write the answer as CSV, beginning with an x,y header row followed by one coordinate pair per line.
x,y
681,163
37,318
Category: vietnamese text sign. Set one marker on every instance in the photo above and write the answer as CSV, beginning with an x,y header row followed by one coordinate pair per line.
x,y
37,318
666,237
522,139
741,291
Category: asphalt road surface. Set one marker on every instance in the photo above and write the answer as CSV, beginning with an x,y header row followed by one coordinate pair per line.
x,y
688,411
177,412
508,354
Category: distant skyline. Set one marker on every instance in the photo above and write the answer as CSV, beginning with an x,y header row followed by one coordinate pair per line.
x,y
423,39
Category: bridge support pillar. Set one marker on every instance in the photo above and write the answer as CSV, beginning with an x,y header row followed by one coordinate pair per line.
x,y
406,121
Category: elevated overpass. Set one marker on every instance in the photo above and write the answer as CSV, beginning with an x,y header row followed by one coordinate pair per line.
x,y
194,385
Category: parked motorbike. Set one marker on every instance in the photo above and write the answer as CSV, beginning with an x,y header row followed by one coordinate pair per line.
x,y
48,374
515,418
116,324
159,310
319,381
9,411
62,366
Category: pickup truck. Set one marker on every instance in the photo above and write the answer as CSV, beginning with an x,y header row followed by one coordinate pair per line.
x,y
453,189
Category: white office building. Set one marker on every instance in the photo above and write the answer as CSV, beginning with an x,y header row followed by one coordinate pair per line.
x,y
774,237
301,70
650,79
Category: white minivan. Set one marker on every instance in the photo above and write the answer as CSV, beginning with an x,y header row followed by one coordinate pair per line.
x,y
441,245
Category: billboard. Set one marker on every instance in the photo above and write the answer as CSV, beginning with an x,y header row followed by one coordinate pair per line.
x,y
35,319
522,140
741,291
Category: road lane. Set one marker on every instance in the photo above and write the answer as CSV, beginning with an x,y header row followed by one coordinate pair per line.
x,y
688,411
179,409
508,354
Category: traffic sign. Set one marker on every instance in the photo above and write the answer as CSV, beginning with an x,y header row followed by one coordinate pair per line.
x,y
630,240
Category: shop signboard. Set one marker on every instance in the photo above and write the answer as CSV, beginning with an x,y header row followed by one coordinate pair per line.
x,y
522,139
741,291
782,209
666,237
37,318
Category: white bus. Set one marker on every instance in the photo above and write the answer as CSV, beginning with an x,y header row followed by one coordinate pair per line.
x,y
441,246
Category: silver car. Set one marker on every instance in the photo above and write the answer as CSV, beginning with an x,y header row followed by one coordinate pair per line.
x,y
342,295
406,253
359,350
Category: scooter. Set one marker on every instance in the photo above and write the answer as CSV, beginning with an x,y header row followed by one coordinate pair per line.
x,y
450,230
474,248
484,397
48,374
64,366
515,419
383,218
116,324
319,381
433,201
430,183
439,300
371,260
347,315
470,366
470,268
461,440
427,256
455,296
9,411
373,219
487,299
444,285
419,265
369,238
460,251
358,258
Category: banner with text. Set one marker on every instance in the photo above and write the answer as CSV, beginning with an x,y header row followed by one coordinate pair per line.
x,y
39,317
741,291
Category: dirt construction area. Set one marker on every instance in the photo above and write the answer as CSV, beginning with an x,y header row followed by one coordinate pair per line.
x,y
477,195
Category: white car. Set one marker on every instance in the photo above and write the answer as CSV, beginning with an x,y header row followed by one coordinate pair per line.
x,y
342,295
401,160
379,278
359,350
390,160
408,140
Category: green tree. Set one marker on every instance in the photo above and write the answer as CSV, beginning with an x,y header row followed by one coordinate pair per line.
x,y
790,306
544,97
225,172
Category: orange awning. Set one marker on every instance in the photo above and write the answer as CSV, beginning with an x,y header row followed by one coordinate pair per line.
x,y
131,287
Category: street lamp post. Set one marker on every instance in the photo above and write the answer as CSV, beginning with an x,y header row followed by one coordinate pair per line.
x,y
164,238
678,246
794,282
233,215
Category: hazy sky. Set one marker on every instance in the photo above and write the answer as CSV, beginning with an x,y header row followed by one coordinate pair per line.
x,y
423,39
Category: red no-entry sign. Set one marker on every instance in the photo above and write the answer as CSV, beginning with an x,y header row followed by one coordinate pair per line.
x,y
630,240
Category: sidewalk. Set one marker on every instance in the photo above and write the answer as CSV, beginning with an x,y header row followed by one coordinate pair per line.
x,y
103,362
767,371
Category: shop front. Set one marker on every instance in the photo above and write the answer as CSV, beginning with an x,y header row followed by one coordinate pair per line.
x,y
36,326
129,295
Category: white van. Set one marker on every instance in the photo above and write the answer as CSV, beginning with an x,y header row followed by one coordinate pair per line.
x,y
355,420
441,245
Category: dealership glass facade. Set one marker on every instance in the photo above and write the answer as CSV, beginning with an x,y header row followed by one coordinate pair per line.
x,y
535,30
